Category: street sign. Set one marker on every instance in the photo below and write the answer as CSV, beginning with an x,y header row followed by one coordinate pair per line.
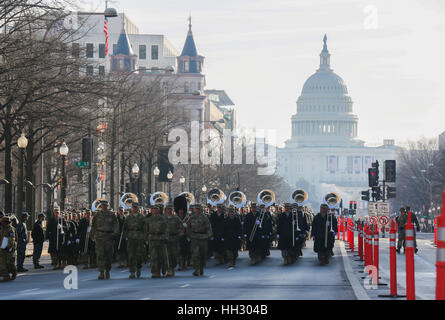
x,y
384,220
372,208
383,209
82,164
373,219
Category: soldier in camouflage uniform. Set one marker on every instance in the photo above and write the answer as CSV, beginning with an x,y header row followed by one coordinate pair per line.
x,y
133,233
175,230
8,243
104,230
401,220
200,231
156,234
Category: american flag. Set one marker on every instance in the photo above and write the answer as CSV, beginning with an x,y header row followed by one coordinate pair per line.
x,y
106,35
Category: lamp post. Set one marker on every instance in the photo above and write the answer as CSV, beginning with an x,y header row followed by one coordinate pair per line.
x,y
156,174
135,172
204,190
182,180
63,150
22,143
170,177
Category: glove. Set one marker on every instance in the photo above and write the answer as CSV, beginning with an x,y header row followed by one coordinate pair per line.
x,y
262,237
258,222
69,242
278,236
245,235
184,225
211,238
239,237
77,241
222,239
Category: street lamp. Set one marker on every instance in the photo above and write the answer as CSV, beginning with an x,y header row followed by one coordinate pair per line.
x,y
169,177
135,172
156,174
182,181
204,190
63,150
22,143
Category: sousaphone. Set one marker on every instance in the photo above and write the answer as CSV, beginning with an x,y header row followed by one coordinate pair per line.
x,y
237,199
127,200
299,197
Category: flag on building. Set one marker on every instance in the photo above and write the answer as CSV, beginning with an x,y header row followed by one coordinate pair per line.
x,y
106,35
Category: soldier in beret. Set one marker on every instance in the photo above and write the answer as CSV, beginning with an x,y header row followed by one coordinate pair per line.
x,y
157,236
133,232
199,230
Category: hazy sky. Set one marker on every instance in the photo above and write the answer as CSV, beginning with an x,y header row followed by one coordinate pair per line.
x,y
262,51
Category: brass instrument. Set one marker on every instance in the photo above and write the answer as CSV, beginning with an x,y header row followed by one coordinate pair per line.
x,y
265,197
299,197
95,204
237,199
189,197
216,196
332,200
127,199
158,198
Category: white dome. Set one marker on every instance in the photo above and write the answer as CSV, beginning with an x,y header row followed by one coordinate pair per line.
x,y
324,81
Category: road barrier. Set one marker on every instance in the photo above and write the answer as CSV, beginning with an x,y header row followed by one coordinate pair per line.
x,y
435,231
375,236
409,254
338,229
343,227
351,235
360,240
440,258
393,259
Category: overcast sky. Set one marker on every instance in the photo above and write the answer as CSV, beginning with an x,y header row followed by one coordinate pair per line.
x,y
262,51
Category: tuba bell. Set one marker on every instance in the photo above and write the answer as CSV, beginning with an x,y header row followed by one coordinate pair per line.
x,y
95,204
127,199
299,197
332,200
266,197
189,197
237,199
158,198
215,196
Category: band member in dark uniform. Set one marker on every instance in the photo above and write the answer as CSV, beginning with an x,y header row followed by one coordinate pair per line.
x,y
232,236
324,224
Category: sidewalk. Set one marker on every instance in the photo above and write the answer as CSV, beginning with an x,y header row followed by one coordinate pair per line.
x,y
425,270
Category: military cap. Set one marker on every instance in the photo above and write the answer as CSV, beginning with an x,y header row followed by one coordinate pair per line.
x,y
220,204
287,204
101,202
41,215
135,204
5,219
25,215
154,206
169,206
324,205
253,204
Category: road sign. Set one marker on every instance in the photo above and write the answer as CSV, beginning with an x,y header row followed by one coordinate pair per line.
x,y
82,164
372,208
373,219
384,220
383,209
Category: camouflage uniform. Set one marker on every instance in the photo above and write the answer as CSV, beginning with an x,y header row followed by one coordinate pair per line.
x,y
175,230
200,231
156,234
401,220
7,255
133,232
104,229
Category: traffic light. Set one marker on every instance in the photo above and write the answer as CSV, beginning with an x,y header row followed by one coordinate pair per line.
x,y
350,205
390,170
87,151
376,193
355,205
391,192
365,195
373,177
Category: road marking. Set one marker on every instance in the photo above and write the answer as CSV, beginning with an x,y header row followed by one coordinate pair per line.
x,y
184,285
148,298
29,290
359,291
212,276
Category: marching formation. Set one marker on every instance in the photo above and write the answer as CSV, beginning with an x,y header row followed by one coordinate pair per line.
x,y
178,235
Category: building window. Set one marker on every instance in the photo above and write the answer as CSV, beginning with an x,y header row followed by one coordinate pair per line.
x,y
90,50
75,50
89,70
186,66
154,52
101,71
114,48
101,50
142,52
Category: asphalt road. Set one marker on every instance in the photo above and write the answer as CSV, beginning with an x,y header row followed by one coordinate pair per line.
x,y
270,280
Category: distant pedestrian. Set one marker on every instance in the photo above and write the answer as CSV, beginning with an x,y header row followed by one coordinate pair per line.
x,y
38,238
22,241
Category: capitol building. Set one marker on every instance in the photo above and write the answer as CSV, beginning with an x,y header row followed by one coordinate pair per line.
x,y
324,153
